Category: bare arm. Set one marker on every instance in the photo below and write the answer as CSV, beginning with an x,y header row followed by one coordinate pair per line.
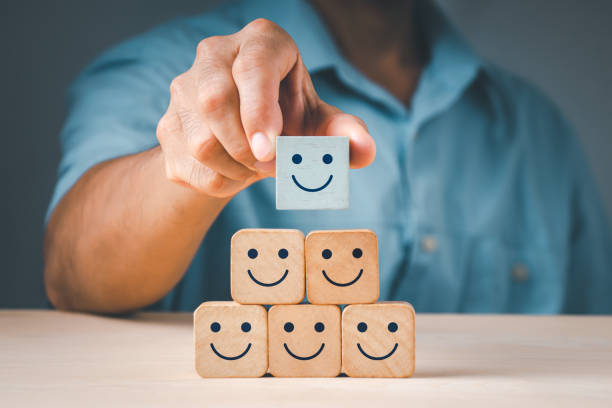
x,y
124,235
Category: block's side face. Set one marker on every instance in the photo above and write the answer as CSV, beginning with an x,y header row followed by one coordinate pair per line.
x,y
230,340
267,266
342,267
312,172
304,341
378,340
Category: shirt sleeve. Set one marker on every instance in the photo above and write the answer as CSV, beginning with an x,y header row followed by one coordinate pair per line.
x,y
115,104
565,198
590,247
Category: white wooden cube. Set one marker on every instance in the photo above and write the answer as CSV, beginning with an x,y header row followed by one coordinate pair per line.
x,y
312,172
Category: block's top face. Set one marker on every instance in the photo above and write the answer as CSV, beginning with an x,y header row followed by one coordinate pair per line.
x,y
342,267
304,340
378,340
230,340
312,172
267,266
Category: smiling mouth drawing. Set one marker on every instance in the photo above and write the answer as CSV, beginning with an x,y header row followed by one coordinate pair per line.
x,y
268,284
212,346
342,284
389,354
304,358
312,190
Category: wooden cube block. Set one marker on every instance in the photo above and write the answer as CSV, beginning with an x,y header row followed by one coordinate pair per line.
x,y
267,266
342,267
378,340
304,340
312,172
231,340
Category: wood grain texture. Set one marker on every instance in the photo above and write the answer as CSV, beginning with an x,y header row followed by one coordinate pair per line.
x,y
231,340
312,172
304,340
58,359
342,267
378,340
267,266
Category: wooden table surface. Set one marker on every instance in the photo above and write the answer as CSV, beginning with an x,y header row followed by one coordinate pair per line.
x,y
50,358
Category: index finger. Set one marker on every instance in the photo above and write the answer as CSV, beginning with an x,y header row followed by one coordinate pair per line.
x,y
265,57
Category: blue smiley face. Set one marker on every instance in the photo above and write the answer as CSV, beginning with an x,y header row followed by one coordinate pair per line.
x,y
215,327
327,254
318,327
282,254
297,160
362,327
312,172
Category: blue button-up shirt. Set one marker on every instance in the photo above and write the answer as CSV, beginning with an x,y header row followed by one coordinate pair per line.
x,y
479,194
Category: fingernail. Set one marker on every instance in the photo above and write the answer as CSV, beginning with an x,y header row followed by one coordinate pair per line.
x,y
261,146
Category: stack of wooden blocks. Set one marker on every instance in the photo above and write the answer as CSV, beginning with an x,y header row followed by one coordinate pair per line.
x,y
333,268
292,339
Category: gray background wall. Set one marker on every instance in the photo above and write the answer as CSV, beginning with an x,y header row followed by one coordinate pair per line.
x,y
561,45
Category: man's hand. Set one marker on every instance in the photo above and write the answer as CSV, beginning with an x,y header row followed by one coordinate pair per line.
x,y
218,134
129,249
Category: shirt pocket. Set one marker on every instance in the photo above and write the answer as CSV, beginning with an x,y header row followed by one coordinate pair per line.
x,y
513,278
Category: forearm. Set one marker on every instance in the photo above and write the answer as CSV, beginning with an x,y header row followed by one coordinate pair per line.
x,y
123,236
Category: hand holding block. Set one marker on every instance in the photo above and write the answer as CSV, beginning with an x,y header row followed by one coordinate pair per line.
x,y
304,341
312,172
342,267
378,340
231,340
267,266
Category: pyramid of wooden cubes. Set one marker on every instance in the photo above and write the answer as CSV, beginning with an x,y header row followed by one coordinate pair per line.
x,y
281,268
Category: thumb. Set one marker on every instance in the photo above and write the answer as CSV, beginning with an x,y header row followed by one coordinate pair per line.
x,y
336,123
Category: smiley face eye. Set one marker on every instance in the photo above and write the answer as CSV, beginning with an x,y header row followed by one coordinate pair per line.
x,y
392,327
215,327
246,327
357,252
319,327
297,158
326,254
288,327
283,253
362,327
252,253
327,158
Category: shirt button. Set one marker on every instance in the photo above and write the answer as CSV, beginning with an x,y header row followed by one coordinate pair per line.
x,y
520,273
429,244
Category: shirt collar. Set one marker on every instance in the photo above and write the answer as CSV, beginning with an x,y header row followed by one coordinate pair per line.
x,y
452,65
